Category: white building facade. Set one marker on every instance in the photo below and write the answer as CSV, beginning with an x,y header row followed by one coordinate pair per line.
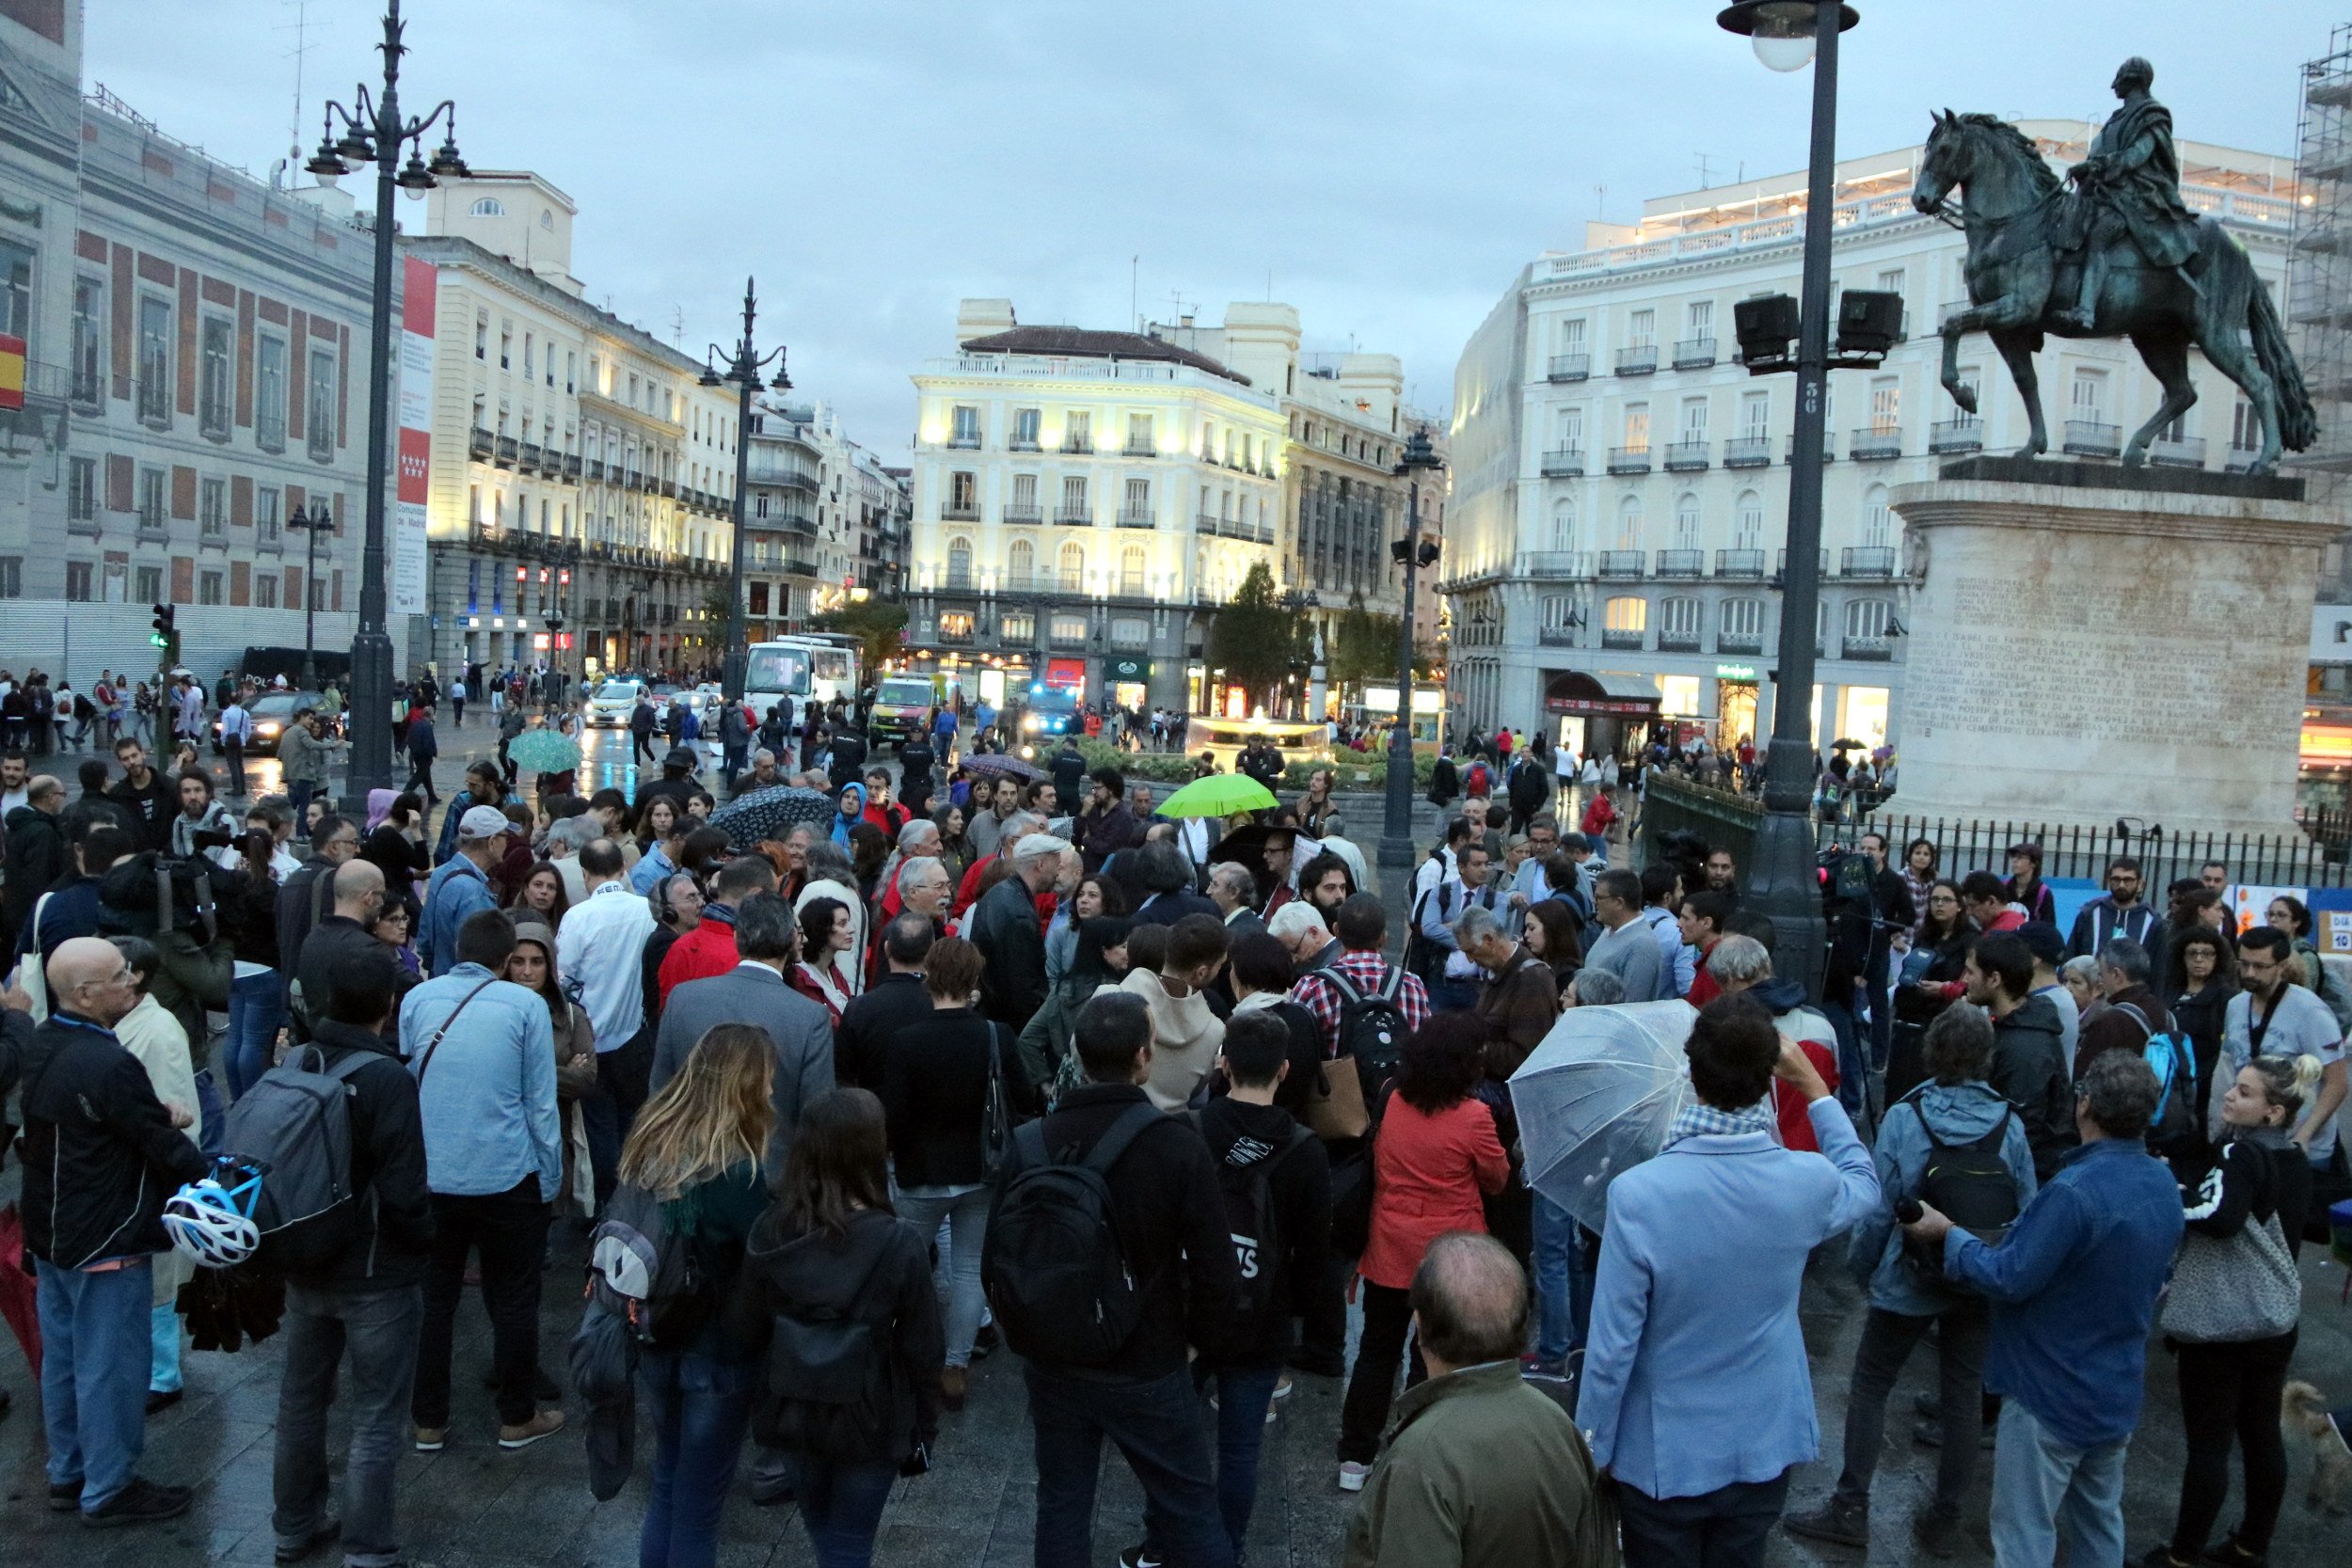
x,y
1620,484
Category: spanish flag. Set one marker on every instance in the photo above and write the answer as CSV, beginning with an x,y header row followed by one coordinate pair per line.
x,y
11,371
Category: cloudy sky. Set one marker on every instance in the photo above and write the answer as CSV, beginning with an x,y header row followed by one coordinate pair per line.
x,y
1383,166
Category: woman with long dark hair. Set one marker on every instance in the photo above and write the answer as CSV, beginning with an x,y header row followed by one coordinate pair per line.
x,y
1437,1159
1551,933
955,850
540,895
2200,977
830,1250
532,966
1097,895
696,1147
257,1005
828,931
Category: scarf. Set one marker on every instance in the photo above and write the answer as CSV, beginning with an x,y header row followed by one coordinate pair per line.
x,y
841,825
1699,1121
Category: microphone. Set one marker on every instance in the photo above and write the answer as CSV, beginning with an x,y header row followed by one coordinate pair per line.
x,y
1908,1211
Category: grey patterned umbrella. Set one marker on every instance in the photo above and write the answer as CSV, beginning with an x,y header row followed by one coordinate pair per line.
x,y
771,813
990,764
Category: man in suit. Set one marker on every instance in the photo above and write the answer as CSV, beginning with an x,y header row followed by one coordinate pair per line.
x,y
755,994
1232,890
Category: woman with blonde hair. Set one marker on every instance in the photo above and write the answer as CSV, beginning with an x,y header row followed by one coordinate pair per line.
x,y
695,1147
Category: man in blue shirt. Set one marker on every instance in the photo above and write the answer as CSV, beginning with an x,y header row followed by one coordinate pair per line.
x,y
483,1050
2073,1285
460,887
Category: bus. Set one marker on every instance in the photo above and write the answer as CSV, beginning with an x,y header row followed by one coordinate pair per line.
x,y
808,669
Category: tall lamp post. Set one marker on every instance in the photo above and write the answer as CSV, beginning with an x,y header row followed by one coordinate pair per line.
x,y
1783,882
1396,832
744,363
312,522
375,132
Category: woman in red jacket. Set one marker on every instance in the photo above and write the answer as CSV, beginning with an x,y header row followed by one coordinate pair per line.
x,y
1435,1159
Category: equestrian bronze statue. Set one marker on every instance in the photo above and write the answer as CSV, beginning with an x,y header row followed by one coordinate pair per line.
x,y
2110,252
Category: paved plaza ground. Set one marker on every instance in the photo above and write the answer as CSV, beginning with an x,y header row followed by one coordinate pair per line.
x,y
473,1506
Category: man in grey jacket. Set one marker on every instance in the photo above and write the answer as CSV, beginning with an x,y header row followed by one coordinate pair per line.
x,y
1628,947
755,994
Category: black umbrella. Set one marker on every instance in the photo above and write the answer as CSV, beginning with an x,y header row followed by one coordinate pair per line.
x,y
771,813
989,764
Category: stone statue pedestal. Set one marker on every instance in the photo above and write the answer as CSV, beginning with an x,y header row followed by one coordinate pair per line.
x,y
2088,643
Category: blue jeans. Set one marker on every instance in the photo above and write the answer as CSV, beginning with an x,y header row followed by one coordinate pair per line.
x,y
699,1409
841,1506
1242,1396
95,1337
377,1330
959,1272
2041,1489
299,792
1558,1325
257,1008
163,1350
1157,1426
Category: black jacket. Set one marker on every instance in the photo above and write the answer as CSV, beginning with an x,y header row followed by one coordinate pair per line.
x,y
786,1269
100,1154
1299,1188
326,953
934,1095
849,756
1069,770
151,809
2257,1175
38,861
867,1023
249,911
1170,1214
1166,908
2028,1070
1005,928
395,1207
95,809
302,903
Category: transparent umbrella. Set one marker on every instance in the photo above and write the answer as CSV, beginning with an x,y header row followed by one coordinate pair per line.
x,y
1596,1099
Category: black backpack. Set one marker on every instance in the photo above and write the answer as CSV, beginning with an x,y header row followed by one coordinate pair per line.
x,y
1052,1268
831,1373
1255,1231
1372,1028
1971,1185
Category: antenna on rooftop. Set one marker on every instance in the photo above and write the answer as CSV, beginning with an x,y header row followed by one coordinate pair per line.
x,y
300,27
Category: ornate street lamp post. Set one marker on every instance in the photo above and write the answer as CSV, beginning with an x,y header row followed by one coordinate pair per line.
x,y
312,523
1396,832
374,132
744,364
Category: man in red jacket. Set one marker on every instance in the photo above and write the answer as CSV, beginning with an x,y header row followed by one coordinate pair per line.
x,y
708,949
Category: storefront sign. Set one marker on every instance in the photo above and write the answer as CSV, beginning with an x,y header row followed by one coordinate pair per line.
x,y
1070,673
1127,669
1735,672
1606,706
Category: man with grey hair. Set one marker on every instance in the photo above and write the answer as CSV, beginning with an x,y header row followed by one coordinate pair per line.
x,y
1480,1468
763,774
2074,1287
1005,928
1299,927
1595,988
1740,964
2133,1012
1233,891
918,836
1519,1000
923,888
707,947
564,842
1020,825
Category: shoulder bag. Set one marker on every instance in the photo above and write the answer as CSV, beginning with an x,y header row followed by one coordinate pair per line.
x,y
2230,1288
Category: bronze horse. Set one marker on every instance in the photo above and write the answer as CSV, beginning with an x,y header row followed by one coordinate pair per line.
x,y
2013,203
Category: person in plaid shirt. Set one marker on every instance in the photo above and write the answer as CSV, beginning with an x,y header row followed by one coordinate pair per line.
x,y
1361,926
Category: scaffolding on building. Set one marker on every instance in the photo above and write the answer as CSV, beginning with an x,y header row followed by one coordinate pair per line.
x,y
2319,268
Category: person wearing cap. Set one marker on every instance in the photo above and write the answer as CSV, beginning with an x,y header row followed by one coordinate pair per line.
x,y
461,887
2026,887
1005,928
2047,944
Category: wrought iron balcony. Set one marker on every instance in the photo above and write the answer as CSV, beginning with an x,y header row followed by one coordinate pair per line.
x,y
1780,565
1630,641
961,512
1877,649
967,442
1139,449
1629,460
2187,453
480,444
1024,512
1556,566
1739,563
1687,457
1681,563
1956,436
507,448
1678,642
1623,564
1568,366
1560,637
1872,444
1564,463
1136,516
1738,642
2089,438
1637,361
1083,445
1695,354
1074,517
1829,448
1748,451
1867,560
1024,443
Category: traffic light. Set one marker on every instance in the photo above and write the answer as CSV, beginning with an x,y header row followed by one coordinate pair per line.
x,y
166,637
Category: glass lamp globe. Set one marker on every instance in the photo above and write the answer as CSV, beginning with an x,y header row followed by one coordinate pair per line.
x,y
1783,36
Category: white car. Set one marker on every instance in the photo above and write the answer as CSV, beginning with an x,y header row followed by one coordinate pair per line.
x,y
611,704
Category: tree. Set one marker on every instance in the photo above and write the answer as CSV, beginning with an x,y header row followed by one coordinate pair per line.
x,y
1254,639
879,625
1362,646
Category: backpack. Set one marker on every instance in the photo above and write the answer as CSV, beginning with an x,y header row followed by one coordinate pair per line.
x,y
641,1272
294,1126
1425,957
829,1372
2167,1056
1372,1028
1052,1268
1255,1229
1971,1184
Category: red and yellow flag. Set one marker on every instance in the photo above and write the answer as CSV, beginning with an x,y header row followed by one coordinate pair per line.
x,y
11,371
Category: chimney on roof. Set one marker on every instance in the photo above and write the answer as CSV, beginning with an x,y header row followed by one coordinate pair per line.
x,y
983,318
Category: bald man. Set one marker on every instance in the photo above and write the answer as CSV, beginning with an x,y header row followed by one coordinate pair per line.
x,y
342,936
101,1154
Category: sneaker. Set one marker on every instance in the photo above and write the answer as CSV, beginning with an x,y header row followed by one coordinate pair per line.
x,y
955,1384
1937,1533
142,1502
987,1339
1282,1386
545,1424
65,1497
1139,1557
1836,1521
1930,1434
432,1439
294,1551
1353,1475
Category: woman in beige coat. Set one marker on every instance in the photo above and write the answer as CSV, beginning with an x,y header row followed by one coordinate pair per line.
x,y
533,967
150,1033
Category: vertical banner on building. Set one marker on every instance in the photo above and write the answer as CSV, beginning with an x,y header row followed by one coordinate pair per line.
x,y
414,457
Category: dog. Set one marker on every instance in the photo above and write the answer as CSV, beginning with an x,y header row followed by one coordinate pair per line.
x,y
2304,1408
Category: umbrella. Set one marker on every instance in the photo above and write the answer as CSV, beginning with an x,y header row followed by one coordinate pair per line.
x,y
544,751
1596,1098
1219,794
771,813
989,764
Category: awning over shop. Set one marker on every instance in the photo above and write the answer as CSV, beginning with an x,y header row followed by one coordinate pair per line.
x,y
1622,696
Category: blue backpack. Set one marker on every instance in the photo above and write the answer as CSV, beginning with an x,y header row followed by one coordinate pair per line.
x,y
2168,1057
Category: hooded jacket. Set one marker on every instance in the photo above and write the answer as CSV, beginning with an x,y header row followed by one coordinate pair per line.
x,y
2028,1070
38,857
1299,1192
1186,1036
1952,1114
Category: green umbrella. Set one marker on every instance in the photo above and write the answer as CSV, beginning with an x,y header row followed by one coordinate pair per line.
x,y
544,751
1219,794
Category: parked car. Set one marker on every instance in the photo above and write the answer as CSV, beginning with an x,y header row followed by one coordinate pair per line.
x,y
612,702
272,712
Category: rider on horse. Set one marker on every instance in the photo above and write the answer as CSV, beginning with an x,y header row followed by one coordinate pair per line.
x,y
2130,185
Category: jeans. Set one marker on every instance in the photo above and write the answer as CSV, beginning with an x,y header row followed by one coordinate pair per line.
x,y
1372,1383
95,1334
1887,1341
841,1504
1727,1528
698,1410
377,1330
420,777
623,1080
2231,1391
959,1272
299,792
2041,1489
162,1349
1563,1287
511,1230
1158,1428
233,749
257,1010
1244,1394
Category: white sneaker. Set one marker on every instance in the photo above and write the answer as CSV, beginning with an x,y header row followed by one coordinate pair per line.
x,y
1352,1476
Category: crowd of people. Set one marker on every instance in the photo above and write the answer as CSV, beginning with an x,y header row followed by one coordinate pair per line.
x,y
983,1063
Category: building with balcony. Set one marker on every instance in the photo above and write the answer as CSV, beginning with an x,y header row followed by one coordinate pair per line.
x,y
825,520
195,341
1614,550
1082,501
581,482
